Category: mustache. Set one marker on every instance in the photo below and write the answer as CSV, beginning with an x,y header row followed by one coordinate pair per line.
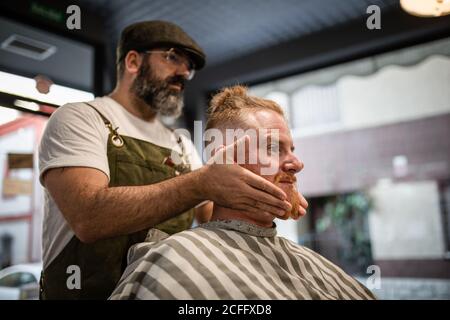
x,y
177,80
284,177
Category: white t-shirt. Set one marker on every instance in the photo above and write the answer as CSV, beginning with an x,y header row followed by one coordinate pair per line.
x,y
76,135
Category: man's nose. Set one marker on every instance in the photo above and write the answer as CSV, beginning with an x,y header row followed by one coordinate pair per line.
x,y
293,165
183,70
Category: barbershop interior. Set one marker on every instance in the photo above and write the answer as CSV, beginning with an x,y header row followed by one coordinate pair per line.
x,y
364,86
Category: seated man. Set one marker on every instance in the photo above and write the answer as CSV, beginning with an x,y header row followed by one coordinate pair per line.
x,y
237,256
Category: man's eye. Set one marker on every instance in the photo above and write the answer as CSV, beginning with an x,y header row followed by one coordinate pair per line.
x,y
273,148
173,57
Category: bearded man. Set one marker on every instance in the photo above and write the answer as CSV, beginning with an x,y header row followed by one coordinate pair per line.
x,y
237,255
109,171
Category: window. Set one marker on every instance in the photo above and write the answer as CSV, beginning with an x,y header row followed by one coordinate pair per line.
x,y
315,106
25,87
282,99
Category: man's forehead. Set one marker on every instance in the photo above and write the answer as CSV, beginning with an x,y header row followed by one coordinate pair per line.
x,y
269,120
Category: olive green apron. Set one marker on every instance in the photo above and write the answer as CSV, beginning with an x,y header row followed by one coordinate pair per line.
x,y
132,162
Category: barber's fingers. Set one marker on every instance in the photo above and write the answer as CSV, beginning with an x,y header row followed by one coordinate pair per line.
x,y
276,211
256,212
228,154
295,214
303,203
279,210
240,145
257,197
217,156
266,186
301,210
299,213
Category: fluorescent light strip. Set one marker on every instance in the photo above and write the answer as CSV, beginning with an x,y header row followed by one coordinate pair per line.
x,y
26,87
426,8
27,105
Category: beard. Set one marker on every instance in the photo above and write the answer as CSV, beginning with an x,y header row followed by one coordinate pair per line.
x,y
290,189
157,94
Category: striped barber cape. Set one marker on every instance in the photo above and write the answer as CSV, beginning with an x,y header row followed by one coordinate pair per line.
x,y
231,260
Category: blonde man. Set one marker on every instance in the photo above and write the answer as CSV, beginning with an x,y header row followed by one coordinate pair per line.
x,y
235,255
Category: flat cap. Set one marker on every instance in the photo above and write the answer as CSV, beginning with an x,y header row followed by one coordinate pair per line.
x,y
146,35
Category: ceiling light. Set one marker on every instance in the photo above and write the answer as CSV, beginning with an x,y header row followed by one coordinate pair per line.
x,y
426,8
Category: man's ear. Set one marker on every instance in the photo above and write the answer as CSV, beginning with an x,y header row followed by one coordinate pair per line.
x,y
133,61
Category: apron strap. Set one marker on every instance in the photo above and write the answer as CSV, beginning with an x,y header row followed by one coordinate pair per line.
x,y
105,120
116,139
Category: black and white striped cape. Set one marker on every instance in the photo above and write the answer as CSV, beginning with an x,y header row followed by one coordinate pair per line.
x,y
231,260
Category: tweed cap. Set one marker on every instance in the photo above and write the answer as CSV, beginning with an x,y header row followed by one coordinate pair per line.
x,y
146,35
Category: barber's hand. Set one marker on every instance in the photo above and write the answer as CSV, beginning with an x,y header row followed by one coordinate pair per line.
x,y
302,206
232,186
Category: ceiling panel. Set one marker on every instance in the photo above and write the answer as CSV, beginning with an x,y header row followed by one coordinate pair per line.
x,y
71,64
232,28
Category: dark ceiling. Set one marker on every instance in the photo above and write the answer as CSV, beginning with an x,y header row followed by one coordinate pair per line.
x,y
246,41
232,28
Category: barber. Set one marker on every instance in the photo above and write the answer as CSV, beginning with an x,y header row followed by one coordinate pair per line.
x,y
109,171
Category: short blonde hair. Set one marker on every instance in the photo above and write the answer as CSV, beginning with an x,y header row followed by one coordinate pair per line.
x,y
227,106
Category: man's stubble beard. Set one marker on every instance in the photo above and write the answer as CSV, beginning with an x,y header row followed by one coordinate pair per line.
x,y
157,93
